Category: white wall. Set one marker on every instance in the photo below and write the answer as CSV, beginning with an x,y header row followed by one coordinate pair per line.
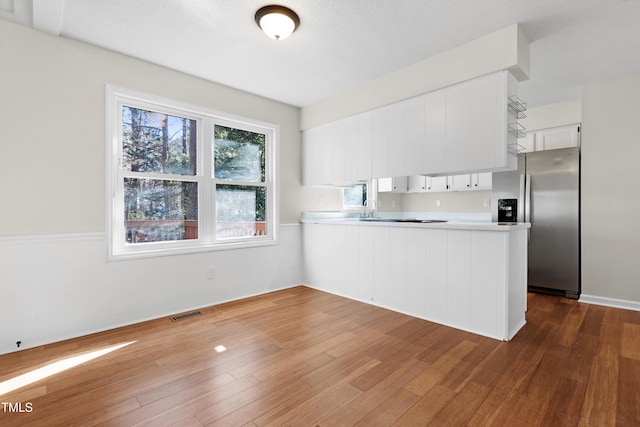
x,y
506,49
610,195
552,115
55,278
450,201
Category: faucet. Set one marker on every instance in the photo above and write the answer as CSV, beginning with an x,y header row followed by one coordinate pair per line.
x,y
366,203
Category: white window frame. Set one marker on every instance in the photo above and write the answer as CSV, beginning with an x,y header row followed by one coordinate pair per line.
x,y
118,248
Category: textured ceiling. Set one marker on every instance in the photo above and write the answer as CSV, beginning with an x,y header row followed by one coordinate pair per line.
x,y
343,43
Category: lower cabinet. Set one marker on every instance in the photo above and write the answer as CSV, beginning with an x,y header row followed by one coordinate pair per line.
x,y
474,280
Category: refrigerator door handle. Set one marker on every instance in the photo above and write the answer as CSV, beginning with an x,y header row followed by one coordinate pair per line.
x,y
521,214
527,198
527,204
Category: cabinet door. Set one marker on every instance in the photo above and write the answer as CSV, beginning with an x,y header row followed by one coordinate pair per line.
x,y
337,141
395,185
558,137
317,156
460,182
483,114
399,184
351,154
434,139
416,183
310,150
482,181
457,128
380,138
415,136
437,183
365,146
397,135
385,185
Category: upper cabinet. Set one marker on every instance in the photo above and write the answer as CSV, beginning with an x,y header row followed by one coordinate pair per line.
x,y
456,130
551,138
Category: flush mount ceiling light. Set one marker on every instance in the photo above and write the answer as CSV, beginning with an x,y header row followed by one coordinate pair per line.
x,y
278,22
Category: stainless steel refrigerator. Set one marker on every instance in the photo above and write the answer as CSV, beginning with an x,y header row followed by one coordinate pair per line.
x,y
547,189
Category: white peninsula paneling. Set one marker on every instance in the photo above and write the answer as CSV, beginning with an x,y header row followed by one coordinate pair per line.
x,y
470,279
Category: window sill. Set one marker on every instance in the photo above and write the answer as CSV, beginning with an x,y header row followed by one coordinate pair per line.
x,y
142,250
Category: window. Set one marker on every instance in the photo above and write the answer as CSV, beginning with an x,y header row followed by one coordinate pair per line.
x,y
184,180
356,196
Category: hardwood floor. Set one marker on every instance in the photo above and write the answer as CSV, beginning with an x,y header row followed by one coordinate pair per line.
x,y
301,357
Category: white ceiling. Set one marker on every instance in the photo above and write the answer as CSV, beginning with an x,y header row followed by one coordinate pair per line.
x,y
343,43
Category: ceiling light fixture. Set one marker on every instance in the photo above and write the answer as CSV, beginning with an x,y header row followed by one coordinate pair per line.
x,y
278,22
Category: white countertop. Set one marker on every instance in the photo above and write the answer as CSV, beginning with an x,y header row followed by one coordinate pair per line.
x,y
458,222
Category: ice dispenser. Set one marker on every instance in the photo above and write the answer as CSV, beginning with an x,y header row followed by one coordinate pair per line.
x,y
507,210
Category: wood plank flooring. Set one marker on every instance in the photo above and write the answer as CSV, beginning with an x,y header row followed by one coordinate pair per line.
x,y
301,357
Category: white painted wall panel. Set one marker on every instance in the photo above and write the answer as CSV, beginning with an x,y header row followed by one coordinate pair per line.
x,y
484,288
417,258
436,261
75,291
337,253
365,264
459,278
381,278
398,268
352,257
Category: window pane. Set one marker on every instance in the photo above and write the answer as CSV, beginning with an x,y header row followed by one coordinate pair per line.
x,y
157,142
158,210
354,196
240,211
239,154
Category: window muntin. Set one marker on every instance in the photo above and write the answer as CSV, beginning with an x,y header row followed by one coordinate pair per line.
x,y
173,189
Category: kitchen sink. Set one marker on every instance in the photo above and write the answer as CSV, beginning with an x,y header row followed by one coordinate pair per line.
x,y
414,220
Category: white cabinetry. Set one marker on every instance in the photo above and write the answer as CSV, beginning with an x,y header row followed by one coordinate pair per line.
x,y
393,185
481,181
414,145
460,182
474,181
364,123
458,129
416,183
435,148
317,156
552,138
437,183
380,138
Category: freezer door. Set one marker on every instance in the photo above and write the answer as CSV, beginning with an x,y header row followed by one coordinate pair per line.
x,y
554,209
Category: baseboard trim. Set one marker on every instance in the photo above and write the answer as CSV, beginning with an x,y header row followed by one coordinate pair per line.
x,y
610,302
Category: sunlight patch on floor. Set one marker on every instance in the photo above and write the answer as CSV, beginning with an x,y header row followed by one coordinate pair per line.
x,y
54,368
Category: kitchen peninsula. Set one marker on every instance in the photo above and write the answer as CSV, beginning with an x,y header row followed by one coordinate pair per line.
x,y
470,275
